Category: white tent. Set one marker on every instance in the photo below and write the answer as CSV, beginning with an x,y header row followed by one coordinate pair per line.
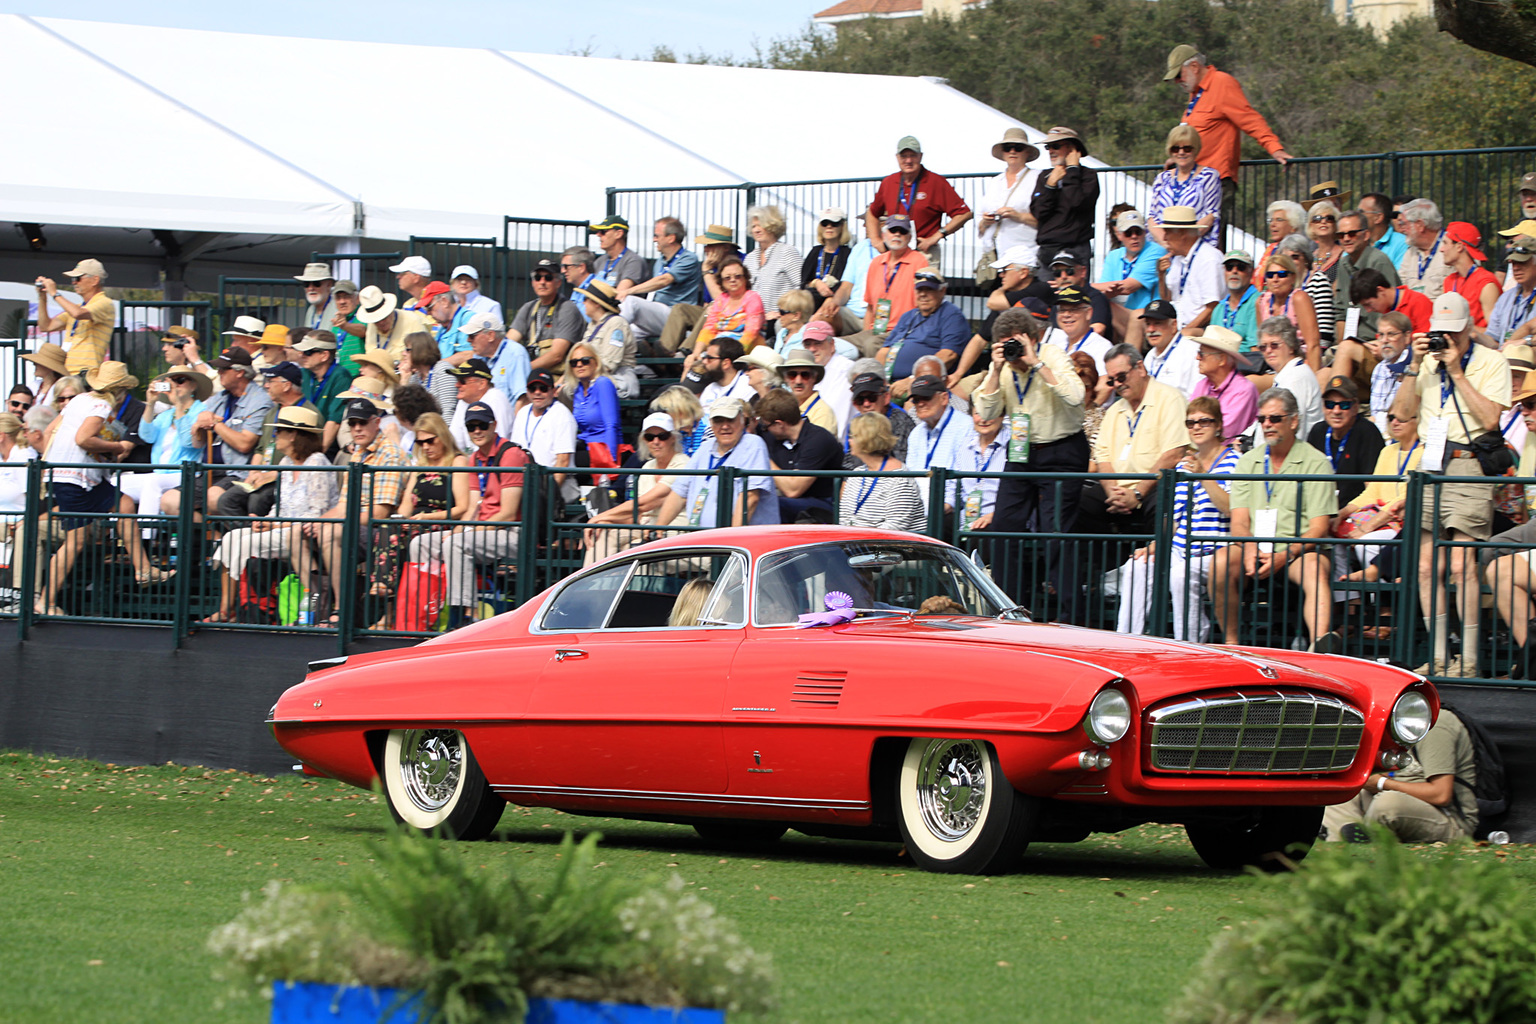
x,y
224,153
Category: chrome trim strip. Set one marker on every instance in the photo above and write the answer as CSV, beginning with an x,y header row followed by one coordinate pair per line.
x,y
700,798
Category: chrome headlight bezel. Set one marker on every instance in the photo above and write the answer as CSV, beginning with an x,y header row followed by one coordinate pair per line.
x,y
1108,718
1411,719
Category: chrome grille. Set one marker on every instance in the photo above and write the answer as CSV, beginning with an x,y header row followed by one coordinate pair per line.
x,y
1269,732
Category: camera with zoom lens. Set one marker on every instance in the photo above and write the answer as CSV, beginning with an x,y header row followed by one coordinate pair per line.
x,y
1013,349
1438,341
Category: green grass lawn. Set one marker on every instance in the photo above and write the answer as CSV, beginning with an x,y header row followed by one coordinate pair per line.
x,y
112,878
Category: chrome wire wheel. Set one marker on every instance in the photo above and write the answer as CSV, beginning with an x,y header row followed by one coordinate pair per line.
x,y
431,767
952,787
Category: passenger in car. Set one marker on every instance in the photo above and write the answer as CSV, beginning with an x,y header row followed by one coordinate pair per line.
x,y
690,603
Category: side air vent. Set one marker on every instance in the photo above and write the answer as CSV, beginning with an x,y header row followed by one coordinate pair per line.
x,y
819,689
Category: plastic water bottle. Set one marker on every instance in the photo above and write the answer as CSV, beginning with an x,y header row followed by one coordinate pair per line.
x,y
307,609
173,550
1498,838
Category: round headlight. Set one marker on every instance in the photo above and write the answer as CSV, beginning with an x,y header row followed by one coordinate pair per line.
x,y
1411,718
1109,717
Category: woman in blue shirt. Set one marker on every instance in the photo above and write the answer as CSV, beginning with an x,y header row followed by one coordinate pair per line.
x,y
595,403
1129,273
168,429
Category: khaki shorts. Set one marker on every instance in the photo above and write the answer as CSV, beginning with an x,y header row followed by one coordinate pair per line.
x,y
1465,507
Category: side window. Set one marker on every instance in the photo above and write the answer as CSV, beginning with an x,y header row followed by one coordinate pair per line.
x,y
728,597
585,603
681,592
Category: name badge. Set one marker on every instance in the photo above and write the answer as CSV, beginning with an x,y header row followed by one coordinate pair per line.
x,y
1266,523
1018,443
882,317
973,504
1434,445
698,507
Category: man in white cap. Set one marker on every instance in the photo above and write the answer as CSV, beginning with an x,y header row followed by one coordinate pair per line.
x,y
755,499
1129,275
318,280
465,282
388,326
676,277
1458,393
87,324
413,274
507,360
1190,274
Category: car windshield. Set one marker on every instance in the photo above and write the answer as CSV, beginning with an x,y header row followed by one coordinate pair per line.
x,y
901,577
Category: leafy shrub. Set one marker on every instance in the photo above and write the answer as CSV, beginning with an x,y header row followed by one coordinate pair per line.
x,y
478,943
1398,935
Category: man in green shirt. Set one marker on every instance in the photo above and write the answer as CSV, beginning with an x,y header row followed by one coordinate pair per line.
x,y
324,380
1264,508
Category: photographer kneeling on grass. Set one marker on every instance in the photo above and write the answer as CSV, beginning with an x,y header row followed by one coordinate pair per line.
x,y
1421,803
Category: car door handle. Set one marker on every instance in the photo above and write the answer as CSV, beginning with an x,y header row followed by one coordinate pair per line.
x,y
561,653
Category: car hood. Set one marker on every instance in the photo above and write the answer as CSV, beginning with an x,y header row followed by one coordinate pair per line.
x,y
1158,668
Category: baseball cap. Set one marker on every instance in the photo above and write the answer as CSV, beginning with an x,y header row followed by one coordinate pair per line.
x,y
479,412
464,270
867,384
1130,219
1037,309
899,222
1237,256
727,409
413,265
1158,309
540,377
1525,227
1066,257
1344,386
432,291
929,279
360,409
607,223
1520,249
927,386
314,343
1451,313
820,330
476,367
345,287
1176,58
832,213
87,268
909,142
1072,295
1527,182
1468,235
1017,256
660,421
232,357
289,371
478,322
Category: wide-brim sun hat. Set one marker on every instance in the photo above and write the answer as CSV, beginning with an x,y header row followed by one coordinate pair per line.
x,y
1016,136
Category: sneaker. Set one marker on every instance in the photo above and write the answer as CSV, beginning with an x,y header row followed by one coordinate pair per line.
x,y
1328,643
1457,668
1354,832
1431,668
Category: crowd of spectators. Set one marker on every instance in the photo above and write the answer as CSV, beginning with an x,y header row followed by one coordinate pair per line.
x,y
1368,336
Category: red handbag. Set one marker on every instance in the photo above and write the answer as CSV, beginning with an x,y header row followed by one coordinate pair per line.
x,y
419,598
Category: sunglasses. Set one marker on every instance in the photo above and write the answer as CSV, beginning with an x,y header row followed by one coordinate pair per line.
x,y
1273,419
20,406
1054,145
1323,217
354,424
1272,346
1133,232
830,223
1523,250
797,374
477,425
569,266
1338,405
1351,234
658,435
1012,147
1114,380
1528,404
1181,149
543,275
539,389
431,439
1272,274
1234,265
1204,421
898,231
733,277
867,397
583,361
1058,269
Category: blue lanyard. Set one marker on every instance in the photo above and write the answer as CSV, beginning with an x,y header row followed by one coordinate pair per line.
x,y
1508,426
1402,465
1167,356
714,461
1269,491
1126,266
1228,314
934,437
1021,392
823,264
1189,264
905,197
890,275
1448,386
1137,420
871,488
529,435
986,467
1426,261
806,412
667,266
610,264
1343,443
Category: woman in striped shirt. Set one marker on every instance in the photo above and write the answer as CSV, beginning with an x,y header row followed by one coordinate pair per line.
x,y
1187,183
775,264
1200,516
879,503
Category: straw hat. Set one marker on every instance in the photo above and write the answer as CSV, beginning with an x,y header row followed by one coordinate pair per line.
x,y
379,357
1016,136
370,389
602,293
109,375
716,234
801,359
50,357
296,417
204,383
375,304
1330,191
1222,339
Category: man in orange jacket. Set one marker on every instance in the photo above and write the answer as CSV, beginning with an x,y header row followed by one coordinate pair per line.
x,y
1220,112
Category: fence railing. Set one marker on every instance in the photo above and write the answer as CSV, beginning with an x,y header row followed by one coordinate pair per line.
x,y
1475,185
357,575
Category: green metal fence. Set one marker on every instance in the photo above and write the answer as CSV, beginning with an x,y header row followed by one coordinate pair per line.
x,y
1375,618
1476,185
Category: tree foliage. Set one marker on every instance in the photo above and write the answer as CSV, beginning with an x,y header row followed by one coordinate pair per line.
x,y
1325,87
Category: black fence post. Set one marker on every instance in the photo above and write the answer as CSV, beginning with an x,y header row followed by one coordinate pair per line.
x,y
725,498
613,201
938,478
1396,161
30,548
532,536
346,585
188,555
1162,555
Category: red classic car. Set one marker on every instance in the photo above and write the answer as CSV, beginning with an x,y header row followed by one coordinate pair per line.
x,y
852,683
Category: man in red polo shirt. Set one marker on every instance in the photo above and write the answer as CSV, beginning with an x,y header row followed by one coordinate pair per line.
x,y
918,193
1369,290
1220,112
